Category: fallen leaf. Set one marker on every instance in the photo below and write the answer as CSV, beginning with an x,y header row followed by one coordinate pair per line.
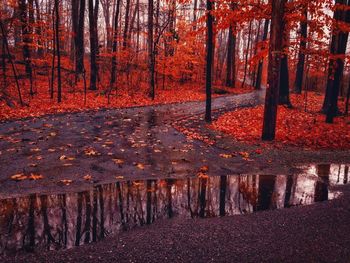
x,y
19,177
34,176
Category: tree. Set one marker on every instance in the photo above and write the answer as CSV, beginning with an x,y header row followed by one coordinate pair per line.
x,y
301,56
274,70
231,53
209,59
93,43
114,48
57,28
150,50
260,65
336,63
78,32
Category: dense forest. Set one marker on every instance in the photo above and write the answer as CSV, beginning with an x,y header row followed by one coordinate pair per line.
x,y
93,54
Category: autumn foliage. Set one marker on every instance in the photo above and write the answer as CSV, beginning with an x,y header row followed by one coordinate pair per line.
x,y
295,127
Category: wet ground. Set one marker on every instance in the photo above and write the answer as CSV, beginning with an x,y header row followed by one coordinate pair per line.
x,y
51,222
71,179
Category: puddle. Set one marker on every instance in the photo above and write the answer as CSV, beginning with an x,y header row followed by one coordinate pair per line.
x,y
67,220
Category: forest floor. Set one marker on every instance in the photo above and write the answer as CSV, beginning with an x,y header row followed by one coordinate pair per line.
x,y
314,233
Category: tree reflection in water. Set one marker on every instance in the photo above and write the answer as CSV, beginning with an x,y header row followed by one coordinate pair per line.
x,y
67,220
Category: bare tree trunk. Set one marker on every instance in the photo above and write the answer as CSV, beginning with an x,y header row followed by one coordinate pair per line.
x,y
301,57
114,48
336,66
93,44
260,66
26,42
5,43
247,53
209,58
59,91
79,40
272,92
150,50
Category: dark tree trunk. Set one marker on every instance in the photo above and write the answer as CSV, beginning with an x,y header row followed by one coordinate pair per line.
x,y
93,44
115,46
261,62
209,60
231,54
246,55
336,66
223,188
126,27
26,41
274,68
150,50
75,23
57,25
301,57
79,40
284,77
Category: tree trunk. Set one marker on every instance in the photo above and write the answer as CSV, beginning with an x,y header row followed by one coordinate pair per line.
x,y
231,54
26,41
261,62
57,28
301,57
336,66
79,40
284,77
115,46
274,69
150,49
93,45
209,58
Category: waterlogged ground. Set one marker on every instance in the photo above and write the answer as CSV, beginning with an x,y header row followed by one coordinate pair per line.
x,y
71,179
51,222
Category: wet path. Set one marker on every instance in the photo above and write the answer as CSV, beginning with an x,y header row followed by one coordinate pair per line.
x,y
129,143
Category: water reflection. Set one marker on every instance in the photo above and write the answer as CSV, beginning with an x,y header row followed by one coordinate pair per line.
x,y
67,220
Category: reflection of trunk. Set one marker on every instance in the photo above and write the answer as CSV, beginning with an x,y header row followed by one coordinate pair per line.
x,y
202,196
120,204
189,196
87,227
47,228
102,213
149,202
64,219
321,189
169,197
223,186
346,172
31,224
94,215
266,189
288,194
79,219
